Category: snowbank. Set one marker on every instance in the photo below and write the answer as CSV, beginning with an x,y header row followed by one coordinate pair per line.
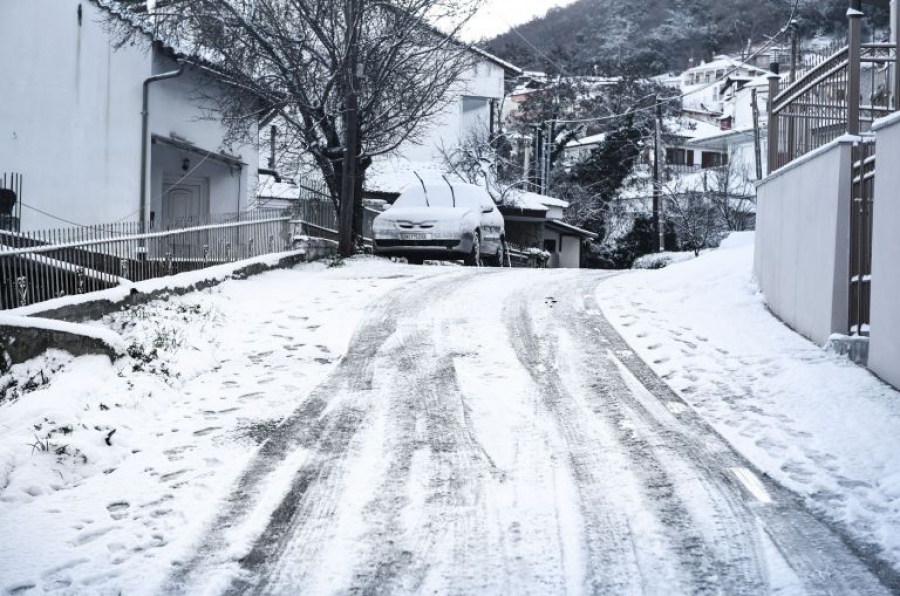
x,y
822,426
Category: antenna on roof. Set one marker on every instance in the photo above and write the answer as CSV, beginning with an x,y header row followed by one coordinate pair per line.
x,y
423,188
452,192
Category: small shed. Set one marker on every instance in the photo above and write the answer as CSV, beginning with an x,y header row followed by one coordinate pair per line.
x,y
536,221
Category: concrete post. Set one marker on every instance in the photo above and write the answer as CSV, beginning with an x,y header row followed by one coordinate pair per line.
x,y
854,16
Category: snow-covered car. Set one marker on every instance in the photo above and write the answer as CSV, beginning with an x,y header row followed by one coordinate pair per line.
x,y
442,222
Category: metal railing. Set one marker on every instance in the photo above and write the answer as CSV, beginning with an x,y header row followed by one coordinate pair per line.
x,y
318,217
523,256
41,265
819,106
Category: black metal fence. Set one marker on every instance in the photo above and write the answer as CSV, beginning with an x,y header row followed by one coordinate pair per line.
x,y
40,265
843,93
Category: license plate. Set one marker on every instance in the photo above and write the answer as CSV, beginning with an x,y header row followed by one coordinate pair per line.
x,y
415,236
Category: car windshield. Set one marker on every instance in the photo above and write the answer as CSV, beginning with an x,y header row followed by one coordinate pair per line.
x,y
440,196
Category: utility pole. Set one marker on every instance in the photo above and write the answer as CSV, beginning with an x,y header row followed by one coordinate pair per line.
x,y
657,182
538,157
348,178
548,161
757,144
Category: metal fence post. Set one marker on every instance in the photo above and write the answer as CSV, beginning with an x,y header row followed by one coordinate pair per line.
x,y
895,39
774,81
854,16
22,285
79,280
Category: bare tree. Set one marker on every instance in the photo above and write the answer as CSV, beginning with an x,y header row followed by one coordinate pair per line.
x,y
486,160
369,71
733,195
695,218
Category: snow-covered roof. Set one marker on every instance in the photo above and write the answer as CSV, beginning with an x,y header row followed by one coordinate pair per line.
x,y
691,128
722,62
586,141
531,201
723,139
510,68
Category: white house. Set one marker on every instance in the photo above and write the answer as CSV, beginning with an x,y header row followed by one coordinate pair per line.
x,y
71,124
738,135
475,107
703,85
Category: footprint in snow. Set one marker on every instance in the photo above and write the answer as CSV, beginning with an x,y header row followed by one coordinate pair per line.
x,y
205,431
118,510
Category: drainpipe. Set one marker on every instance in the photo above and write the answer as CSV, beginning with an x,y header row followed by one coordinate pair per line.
x,y
145,134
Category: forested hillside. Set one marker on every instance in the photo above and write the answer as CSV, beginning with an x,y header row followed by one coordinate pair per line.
x,y
653,36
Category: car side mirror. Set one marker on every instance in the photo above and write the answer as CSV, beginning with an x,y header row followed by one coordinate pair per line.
x,y
487,209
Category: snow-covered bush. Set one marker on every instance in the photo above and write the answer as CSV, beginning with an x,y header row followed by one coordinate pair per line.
x,y
661,259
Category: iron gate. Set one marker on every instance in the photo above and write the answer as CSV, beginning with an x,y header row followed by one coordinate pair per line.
x,y
861,200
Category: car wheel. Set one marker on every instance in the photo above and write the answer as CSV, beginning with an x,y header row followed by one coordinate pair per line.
x,y
499,259
415,260
474,258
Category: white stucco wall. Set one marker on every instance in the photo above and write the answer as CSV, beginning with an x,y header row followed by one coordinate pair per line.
x,y
802,239
175,108
446,129
70,114
884,343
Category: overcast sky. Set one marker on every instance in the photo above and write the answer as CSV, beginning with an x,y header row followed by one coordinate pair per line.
x,y
498,16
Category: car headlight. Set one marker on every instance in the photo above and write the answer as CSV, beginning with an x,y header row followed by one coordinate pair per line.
x,y
383,226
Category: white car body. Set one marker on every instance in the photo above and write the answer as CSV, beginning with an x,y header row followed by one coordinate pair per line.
x,y
442,221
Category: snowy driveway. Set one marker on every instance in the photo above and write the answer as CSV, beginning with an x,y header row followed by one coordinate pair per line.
x,y
488,432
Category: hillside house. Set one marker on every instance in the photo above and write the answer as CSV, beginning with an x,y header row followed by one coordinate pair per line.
x,y
703,86
71,124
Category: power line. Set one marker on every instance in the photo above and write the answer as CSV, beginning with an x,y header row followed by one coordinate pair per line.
x,y
716,81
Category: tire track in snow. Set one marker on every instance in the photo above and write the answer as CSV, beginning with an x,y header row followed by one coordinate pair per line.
x,y
823,558
712,536
613,564
325,423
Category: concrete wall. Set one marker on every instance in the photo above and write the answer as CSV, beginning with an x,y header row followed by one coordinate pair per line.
x,y
802,242
70,113
884,345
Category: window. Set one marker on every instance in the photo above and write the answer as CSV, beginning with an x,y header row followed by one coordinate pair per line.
x,y
676,157
476,114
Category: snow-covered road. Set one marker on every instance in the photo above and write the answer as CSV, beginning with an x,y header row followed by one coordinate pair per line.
x,y
489,433
484,432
